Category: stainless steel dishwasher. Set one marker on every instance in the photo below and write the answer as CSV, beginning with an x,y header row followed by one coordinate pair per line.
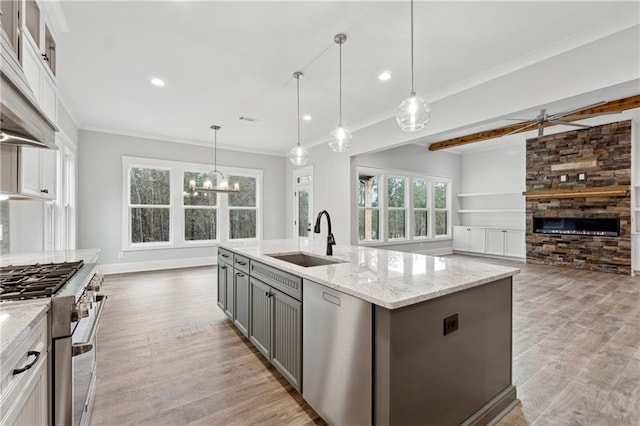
x,y
337,355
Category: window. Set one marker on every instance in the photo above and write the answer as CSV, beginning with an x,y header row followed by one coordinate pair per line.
x,y
420,211
200,208
161,210
368,208
440,196
243,208
396,208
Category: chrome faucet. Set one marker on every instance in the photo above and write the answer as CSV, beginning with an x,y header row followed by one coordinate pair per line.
x,y
330,240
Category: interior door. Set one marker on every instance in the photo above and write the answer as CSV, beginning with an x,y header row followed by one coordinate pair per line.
x,y
302,203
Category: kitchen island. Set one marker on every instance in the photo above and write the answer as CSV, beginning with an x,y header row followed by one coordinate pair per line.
x,y
377,336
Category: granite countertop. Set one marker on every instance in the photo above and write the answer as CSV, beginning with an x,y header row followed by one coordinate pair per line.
x,y
390,279
88,255
16,320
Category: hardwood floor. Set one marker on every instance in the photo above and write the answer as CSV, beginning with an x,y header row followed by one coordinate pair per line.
x,y
168,355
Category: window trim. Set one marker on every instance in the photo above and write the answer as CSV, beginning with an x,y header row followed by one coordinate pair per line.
x,y
382,175
177,209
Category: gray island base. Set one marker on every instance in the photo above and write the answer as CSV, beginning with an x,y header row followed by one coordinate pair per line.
x,y
386,338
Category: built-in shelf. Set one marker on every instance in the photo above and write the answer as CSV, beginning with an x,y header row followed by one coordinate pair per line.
x,y
492,211
594,192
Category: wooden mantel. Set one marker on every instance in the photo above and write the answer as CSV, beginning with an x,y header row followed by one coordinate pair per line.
x,y
593,192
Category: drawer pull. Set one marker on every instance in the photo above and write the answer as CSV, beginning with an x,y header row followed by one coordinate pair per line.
x,y
242,263
28,366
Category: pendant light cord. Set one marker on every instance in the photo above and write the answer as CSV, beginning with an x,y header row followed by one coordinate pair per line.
x,y
298,91
412,91
340,96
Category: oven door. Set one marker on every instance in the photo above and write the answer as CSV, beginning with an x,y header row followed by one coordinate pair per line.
x,y
84,341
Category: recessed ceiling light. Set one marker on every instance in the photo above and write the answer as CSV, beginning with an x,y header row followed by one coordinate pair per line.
x,y
384,76
157,82
307,117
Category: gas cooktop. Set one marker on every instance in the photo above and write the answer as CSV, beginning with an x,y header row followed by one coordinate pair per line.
x,y
25,282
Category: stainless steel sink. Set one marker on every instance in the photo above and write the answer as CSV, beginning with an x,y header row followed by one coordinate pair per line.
x,y
304,259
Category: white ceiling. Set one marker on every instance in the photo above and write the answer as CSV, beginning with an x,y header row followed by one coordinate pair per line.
x,y
223,60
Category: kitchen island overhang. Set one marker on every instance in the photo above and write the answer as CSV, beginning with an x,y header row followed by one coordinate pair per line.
x,y
440,332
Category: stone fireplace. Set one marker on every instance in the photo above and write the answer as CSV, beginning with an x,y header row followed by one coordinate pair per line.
x,y
578,206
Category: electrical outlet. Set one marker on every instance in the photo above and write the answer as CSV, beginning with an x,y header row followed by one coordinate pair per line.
x,y
120,255
1,232
450,324
581,176
563,178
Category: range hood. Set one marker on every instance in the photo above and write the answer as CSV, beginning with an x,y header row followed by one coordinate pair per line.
x,y
22,122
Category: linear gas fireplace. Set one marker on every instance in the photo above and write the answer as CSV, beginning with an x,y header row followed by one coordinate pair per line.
x,y
604,227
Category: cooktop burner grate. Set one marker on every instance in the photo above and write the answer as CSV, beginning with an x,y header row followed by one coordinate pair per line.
x,y
33,281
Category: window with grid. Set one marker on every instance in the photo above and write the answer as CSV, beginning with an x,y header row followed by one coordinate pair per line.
x,y
396,208
149,205
441,208
243,208
368,208
420,208
200,208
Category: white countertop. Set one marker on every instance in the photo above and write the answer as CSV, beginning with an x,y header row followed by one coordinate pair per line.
x,y
88,255
16,320
390,279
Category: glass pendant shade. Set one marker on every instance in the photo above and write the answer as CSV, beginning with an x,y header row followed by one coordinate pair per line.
x,y
413,113
299,155
340,139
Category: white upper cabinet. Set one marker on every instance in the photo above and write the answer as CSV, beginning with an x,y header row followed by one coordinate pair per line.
x,y
39,58
38,173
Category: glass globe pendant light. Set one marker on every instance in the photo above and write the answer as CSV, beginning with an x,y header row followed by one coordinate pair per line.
x,y
299,155
413,112
341,136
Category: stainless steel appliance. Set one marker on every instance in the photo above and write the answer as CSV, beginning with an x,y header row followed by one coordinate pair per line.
x,y
74,318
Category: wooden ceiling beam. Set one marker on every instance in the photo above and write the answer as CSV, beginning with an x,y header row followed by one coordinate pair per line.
x,y
618,105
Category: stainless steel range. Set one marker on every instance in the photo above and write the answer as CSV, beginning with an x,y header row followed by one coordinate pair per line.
x,y
74,317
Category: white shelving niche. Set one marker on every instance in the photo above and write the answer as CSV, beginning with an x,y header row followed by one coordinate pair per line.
x,y
491,223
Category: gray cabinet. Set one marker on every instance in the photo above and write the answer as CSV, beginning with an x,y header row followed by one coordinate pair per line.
x,y
241,285
223,270
286,353
260,330
276,329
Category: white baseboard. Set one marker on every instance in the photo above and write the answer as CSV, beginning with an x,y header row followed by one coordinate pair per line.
x,y
155,265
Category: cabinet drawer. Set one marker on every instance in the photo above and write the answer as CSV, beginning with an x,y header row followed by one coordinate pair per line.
x,y
241,263
12,385
225,256
283,281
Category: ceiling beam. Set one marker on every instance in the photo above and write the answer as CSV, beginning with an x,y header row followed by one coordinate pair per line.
x,y
618,105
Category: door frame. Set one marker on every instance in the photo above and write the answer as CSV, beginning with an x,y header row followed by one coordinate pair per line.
x,y
296,174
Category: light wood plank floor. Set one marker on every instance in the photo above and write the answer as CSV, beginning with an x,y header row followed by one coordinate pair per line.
x,y
168,355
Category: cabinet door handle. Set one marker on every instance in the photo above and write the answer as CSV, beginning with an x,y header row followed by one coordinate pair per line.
x,y
28,366
45,57
223,267
241,275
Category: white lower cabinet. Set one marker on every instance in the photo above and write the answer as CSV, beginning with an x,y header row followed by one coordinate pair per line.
x,y
469,238
493,241
24,398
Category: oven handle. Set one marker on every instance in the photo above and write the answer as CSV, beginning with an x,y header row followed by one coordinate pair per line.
x,y
82,347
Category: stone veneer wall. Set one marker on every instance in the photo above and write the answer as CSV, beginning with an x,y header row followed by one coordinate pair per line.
x,y
610,145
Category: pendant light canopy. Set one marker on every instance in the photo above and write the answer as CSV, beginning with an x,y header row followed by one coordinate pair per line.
x,y
341,136
223,185
299,155
413,112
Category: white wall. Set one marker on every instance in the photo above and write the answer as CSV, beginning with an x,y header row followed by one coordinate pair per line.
x,y
500,170
100,196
